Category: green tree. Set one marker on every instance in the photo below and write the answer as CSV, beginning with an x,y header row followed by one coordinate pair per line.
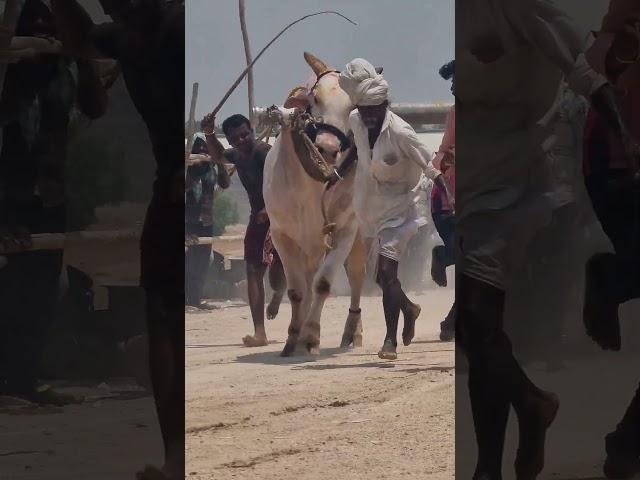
x,y
95,176
225,212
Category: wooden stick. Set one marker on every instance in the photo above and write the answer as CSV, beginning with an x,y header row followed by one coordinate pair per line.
x,y
212,240
247,54
10,16
191,130
246,70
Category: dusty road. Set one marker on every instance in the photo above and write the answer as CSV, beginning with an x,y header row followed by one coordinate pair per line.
x,y
117,421
252,414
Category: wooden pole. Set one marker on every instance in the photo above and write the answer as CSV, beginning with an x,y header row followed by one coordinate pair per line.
x,y
57,241
247,54
191,128
10,17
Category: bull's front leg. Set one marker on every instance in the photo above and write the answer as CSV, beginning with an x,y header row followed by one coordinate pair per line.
x,y
321,287
356,268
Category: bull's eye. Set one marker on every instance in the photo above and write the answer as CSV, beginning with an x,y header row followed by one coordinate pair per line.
x,y
321,150
334,154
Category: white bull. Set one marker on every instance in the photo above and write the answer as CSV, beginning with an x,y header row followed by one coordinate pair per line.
x,y
293,202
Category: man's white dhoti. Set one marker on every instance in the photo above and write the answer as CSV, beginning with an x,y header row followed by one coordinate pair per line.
x,y
506,106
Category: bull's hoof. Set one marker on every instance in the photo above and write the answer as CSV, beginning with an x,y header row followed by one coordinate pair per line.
x,y
313,349
354,341
346,341
289,348
309,345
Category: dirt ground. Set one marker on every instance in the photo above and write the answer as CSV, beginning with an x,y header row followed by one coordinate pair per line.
x,y
252,414
116,421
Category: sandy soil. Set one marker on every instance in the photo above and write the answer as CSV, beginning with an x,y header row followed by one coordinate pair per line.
x,y
252,414
113,434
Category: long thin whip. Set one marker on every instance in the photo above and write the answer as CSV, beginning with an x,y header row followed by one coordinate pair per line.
x,y
246,70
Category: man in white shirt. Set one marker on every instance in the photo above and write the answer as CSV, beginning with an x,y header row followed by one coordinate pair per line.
x,y
390,162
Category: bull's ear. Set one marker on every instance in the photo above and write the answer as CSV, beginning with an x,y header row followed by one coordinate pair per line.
x,y
379,70
298,98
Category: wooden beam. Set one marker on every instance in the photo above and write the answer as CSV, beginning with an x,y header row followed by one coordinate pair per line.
x,y
57,241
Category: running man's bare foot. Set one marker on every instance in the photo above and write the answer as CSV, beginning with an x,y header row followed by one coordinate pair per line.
x,y
410,316
255,341
600,311
533,425
388,351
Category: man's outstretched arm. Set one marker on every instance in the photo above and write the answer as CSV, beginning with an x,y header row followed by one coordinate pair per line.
x,y
75,29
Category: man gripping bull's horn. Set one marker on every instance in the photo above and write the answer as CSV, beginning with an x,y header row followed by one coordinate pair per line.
x,y
390,162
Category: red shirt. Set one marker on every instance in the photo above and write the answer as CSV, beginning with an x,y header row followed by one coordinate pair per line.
x,y
628,84
439,200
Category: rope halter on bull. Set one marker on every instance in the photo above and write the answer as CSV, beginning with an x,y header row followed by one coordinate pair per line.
x,y
303,128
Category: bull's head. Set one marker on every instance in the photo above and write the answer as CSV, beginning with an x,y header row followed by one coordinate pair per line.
x,y
323,97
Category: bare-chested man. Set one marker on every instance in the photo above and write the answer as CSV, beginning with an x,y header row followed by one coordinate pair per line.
x,y
248,156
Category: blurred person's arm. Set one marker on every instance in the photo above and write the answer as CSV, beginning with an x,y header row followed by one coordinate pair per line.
x,y
92,96
76,31
447,146
215,147
419,153
551,31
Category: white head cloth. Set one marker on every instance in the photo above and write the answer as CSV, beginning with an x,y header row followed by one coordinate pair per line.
x,y
363,85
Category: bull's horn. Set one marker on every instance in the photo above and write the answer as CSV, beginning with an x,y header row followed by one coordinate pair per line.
x,y
317,65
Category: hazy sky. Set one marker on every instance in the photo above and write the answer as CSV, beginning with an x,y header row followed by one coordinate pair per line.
x,y
411,39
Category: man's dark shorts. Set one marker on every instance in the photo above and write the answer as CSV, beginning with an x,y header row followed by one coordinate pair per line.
x,y
254,244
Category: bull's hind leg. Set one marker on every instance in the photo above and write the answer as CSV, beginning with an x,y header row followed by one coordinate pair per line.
x,y
356,268
293,261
